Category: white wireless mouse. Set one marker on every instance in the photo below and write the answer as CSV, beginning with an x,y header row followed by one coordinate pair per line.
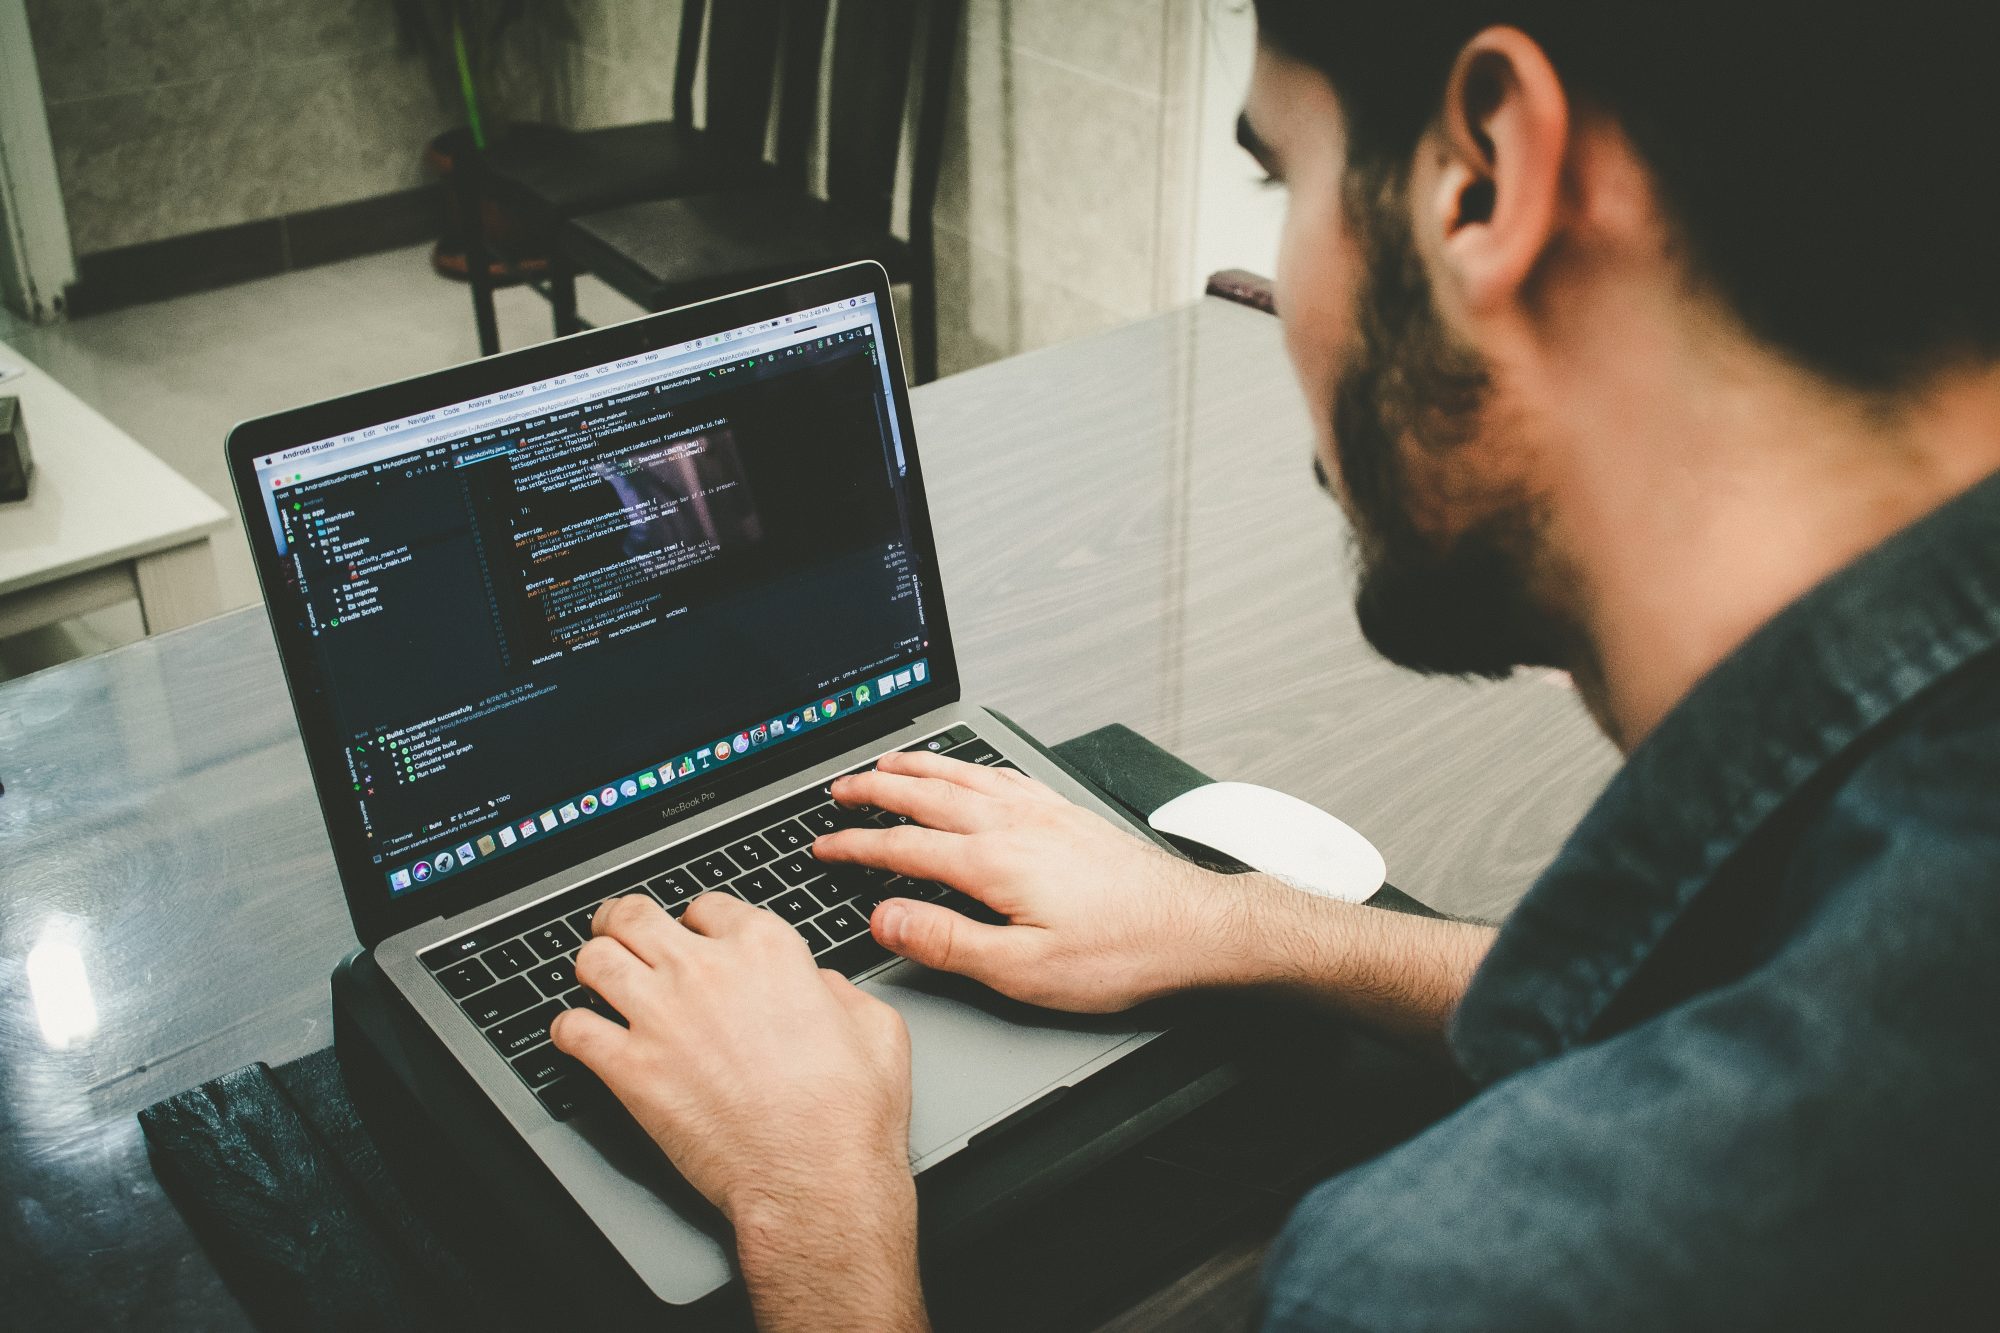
x,y
1277,834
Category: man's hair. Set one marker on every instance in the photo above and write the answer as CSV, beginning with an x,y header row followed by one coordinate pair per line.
x,y
1831,168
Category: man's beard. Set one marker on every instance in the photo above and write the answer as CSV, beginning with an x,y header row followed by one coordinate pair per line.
x,y
1449,606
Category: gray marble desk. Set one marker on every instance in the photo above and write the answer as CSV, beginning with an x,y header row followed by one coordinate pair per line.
x,y
1129,533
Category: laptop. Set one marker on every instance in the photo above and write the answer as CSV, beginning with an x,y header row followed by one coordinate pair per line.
x,y
605,616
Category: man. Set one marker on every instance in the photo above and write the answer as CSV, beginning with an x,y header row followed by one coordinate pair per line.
x,y
1658,343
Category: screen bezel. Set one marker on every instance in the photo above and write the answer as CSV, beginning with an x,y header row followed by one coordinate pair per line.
x,y
377,913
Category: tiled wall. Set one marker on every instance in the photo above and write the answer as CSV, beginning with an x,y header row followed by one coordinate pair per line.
x,y
174,116
1064,203
622,65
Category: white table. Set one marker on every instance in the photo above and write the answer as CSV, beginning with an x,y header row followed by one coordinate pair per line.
x,y
105,520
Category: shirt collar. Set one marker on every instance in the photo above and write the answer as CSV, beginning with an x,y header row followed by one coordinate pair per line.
x,y
1754,731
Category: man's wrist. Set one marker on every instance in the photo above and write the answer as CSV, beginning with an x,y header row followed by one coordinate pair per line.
x,y
1242,946
1404,974
843,1255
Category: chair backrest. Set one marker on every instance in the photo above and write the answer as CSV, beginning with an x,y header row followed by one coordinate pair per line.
x,y
742,65
800,47
936,50
877,87
687,53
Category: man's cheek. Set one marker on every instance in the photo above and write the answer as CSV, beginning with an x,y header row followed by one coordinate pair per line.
x,y
1313,293
1316,330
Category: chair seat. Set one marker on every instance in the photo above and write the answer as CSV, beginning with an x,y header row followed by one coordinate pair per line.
x,y
666,253
584,171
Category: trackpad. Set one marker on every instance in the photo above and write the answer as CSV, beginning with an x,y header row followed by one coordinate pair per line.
x,y
976,1056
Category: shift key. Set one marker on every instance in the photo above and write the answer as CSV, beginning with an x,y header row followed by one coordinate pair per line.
x,y
518,1034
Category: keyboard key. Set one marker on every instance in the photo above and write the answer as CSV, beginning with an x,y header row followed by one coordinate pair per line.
x,y
974,752
854,957
676,886
497,1002
464,978
542,1065
859,877
944,740
798,869
752,852
858,817
566,1096
842,923
847,882
796,905
553,940
584,998
812,935
580,921
758,885
866,903
822,820
454,951
553,977
789,836
525,1030
507,959
729,889
713,870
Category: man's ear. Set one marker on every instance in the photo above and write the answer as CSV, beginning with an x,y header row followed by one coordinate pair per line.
x,y
1503,139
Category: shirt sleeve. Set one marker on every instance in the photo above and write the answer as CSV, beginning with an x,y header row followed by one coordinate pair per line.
x,y
1810,1146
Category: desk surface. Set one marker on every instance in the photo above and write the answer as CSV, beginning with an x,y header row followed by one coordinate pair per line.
x,y
1129,532
97,496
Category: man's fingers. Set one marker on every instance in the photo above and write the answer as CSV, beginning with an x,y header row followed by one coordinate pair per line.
x,y
931,802
946,940
924,764
606,966
920,853
595,1040
638,923
718,912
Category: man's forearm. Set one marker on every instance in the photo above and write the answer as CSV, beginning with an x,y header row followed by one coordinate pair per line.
x,y
1403,974
844,1262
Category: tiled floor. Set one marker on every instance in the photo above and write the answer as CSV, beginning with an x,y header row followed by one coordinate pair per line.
x,y
176,375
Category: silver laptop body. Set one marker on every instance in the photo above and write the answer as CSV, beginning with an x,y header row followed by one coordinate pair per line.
x,y
977,1058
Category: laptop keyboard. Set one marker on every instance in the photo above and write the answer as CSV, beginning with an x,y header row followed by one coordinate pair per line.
x,y
512,977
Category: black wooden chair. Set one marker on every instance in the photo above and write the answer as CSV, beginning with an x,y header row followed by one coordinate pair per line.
x,y
883,82
543,180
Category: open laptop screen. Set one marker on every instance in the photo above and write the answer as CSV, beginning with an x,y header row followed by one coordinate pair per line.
x,y
533,609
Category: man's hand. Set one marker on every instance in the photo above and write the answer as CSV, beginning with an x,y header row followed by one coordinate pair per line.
x,y
1100,920
780,1091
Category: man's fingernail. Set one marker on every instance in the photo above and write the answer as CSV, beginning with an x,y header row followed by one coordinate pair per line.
x,y
889,919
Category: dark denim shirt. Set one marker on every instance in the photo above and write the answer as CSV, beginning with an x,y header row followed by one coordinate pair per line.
x,y
1738,1049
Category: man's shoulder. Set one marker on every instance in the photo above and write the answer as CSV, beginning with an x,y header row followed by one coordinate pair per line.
x,y
1920,804
1755,1151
